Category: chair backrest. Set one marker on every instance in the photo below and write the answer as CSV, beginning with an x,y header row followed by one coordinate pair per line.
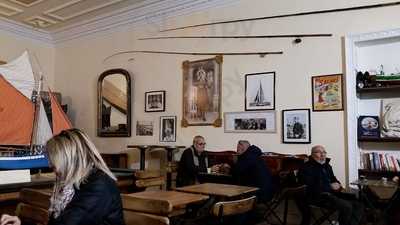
x,y
152,206
32,214
35,197
134,218
228,208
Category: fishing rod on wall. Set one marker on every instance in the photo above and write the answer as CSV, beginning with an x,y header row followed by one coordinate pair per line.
x,y
380,5
240,36
261,54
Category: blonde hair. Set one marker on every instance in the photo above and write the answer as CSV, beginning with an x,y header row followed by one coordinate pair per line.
x,y
73,156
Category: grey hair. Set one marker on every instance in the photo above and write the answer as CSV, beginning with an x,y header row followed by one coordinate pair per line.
x,y
315,148
244,142
197,137
73,156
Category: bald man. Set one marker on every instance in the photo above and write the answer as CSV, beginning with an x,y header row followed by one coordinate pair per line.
x,y
324,190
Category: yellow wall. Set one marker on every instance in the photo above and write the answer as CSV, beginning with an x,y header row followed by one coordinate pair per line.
x,y
80,62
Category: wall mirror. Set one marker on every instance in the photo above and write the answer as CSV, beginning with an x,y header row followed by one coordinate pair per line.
x,y
114,104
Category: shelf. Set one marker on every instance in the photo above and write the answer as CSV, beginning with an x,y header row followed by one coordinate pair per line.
x,y
379,89
377,173
382,139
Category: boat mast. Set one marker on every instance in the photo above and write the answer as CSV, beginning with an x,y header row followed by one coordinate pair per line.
x,y
36,99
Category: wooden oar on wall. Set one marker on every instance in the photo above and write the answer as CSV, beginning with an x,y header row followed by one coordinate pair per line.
x,y
380,5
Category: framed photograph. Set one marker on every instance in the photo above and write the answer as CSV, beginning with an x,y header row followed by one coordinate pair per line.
x,y
144,128
155,101
250,122
168,129
327,92
260,91
202,92
296,126
390,117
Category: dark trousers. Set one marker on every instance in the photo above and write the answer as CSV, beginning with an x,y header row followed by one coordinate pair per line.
x,y
350,211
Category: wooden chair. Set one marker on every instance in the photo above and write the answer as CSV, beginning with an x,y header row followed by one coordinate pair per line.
x,y
33,206
134,218
229,208
157,207
149,178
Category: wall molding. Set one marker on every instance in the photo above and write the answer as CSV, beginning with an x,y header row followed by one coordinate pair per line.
x,y
149,10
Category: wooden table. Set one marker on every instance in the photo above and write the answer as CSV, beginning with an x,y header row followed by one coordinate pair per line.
x,y
11,191
220,190
165,203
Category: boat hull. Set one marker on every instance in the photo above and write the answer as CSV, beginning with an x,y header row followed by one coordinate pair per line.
x,y
23,162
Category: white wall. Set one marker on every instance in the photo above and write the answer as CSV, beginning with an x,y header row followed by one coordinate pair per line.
x,y
13,46
80,62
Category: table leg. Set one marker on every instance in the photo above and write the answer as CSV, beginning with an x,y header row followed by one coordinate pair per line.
x,y
142,158
169,172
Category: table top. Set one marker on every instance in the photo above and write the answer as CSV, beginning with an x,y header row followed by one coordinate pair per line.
x,y
383,190
223,190
375,183
155,146
170,203
36,182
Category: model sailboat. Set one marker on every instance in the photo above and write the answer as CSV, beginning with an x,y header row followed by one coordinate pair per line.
x,y
24,126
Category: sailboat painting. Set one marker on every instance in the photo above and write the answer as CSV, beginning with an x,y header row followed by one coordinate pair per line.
x,y
24,126
260,91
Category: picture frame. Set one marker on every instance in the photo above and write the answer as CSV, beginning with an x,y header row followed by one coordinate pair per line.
x,y
390,110
259,91
144,128
167,128
250,122
296,126
327,92
201,98
154,101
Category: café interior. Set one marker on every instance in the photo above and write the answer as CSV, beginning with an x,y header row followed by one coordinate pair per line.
x,y
142,78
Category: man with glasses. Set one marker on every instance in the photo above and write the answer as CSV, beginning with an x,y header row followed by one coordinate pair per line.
x,y
324,189
193,161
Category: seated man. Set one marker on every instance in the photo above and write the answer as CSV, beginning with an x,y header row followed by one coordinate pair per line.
x,y
323,189
251,170
193,161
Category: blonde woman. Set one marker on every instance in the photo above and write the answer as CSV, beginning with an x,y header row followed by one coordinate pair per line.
x,y
85,192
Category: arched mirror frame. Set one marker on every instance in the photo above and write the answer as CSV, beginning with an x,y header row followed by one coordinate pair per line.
x,y
127,76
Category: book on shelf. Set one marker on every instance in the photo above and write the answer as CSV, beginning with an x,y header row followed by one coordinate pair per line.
x,y
380,162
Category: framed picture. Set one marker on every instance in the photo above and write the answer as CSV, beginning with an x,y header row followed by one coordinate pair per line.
x,y
144,128
250,122
327,92
390,117
155,101
296,126
260,91
167,128
202,92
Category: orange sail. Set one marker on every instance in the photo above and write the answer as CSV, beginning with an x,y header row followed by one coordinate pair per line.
x,y
59,119
16,116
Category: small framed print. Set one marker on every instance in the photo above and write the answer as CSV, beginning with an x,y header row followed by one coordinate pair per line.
x,y
327,92
368,127
260,91
168,129
296,126
144,128
155,101
250,122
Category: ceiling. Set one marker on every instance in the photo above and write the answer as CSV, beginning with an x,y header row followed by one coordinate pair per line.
x,y
51,15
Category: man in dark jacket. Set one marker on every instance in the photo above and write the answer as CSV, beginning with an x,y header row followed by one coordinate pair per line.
x,y
324,190
251,170
193,161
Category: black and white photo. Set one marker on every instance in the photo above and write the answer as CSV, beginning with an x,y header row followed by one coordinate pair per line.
x,y
250,122
296,126
155,101
260,91
167,128
144,128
